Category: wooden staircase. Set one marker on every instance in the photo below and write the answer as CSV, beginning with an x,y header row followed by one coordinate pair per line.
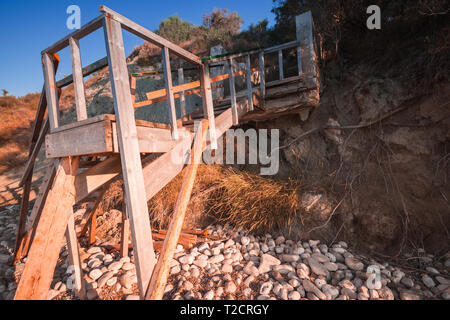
x,y
88,154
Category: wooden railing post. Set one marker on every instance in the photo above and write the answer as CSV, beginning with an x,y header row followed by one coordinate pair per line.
x,y
280,63
51,92
234,111
169,92
262,81
135,195
182,96
249,83
208,108
78,85
304,28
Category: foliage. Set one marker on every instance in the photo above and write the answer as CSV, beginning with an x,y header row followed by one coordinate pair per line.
x,y
175,29
221,26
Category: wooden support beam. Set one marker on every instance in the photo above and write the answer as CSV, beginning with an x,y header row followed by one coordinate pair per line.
x,y
169,90
29,166
182,96
74,259
280,64
159,278
232,92
129,153
78,84
249,83
51,90
262,75
208,107
22,219
38,273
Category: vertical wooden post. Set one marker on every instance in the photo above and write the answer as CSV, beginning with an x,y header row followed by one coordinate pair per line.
x,y
280,64
182,96
51,92
234,111
299,60
208,107
78,84
125,231
169,92
74,258
262,74
159,278
249,83
135,196
304,28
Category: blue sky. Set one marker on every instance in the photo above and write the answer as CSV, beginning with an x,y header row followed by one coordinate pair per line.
x,y
27,27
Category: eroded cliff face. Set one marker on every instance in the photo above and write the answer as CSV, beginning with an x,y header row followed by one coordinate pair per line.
x,y
376,173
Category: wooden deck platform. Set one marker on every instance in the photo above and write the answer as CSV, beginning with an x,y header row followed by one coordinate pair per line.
x,y
98,135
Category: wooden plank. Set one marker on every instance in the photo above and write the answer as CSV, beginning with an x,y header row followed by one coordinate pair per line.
x,y
169,91
161,95
208,107
78,84
86,29
129,153
182,97
99,118
88,70
151,140
92,179
146,34
280,64
37,276
232,92
159,278
74,259
282,46
304,31
262,75
249,82
93,138
51,91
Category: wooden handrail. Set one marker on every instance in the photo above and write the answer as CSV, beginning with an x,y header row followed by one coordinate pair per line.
x,y
160,95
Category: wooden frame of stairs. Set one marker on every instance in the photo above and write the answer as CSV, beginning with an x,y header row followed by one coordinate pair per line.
x,y
122,140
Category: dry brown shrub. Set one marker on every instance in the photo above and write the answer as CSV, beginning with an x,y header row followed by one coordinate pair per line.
x,y
256,203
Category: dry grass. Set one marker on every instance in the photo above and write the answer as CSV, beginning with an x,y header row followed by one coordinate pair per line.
x,y
256,203
16,116
220,194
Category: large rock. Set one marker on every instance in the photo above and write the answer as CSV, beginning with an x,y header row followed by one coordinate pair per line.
x,y
267,262
318,268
